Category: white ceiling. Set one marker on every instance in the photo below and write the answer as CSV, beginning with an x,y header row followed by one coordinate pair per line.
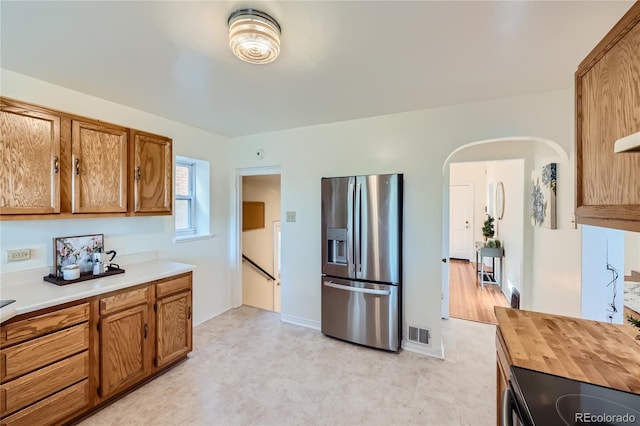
x,y
339,60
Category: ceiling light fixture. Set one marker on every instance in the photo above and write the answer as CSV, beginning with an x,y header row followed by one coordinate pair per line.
x,y
254,36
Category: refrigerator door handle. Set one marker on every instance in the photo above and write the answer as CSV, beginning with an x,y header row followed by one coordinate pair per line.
x,y
357,289
358,228
350,241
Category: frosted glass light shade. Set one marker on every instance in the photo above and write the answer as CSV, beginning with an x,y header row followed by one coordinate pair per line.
x,y
254,36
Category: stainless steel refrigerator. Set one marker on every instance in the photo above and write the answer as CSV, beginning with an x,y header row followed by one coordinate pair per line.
x,y
362,259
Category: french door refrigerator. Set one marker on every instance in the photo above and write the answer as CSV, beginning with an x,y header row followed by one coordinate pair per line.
x,y
362,259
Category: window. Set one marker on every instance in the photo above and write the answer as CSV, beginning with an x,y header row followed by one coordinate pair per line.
x,y
185,197
191,207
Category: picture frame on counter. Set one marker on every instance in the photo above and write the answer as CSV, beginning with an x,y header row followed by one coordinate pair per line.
x,y
76,250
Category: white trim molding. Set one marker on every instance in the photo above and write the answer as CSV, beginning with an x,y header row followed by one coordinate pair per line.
x,y
423,349
303,322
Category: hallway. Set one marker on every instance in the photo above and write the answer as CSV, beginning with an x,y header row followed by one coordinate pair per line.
x,y
466,300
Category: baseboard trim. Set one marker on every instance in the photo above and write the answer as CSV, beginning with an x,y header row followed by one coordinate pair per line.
x,y
423,349
303,322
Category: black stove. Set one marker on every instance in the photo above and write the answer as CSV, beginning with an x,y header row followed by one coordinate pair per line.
x,y
547,400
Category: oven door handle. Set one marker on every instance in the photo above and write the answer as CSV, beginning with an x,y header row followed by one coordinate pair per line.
x,y
506,408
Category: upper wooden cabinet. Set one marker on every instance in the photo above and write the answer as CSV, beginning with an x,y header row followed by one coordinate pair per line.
x,y
152,173
99,168
29,160
58,165
607,109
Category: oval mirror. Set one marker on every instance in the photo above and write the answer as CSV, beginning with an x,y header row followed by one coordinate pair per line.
x,y
499,201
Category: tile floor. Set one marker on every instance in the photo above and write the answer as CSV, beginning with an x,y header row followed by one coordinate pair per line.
x,y
248,368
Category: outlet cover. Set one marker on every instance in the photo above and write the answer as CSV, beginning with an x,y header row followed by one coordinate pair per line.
x,y
291,216
18,254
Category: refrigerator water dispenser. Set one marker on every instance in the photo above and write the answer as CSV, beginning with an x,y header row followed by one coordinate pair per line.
x,y
337,245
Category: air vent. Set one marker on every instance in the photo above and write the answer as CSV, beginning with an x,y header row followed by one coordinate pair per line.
x,y
419,335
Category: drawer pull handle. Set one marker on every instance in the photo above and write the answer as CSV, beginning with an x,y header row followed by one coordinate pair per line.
x,y
189,315
138,174
56,164
146,330
77,166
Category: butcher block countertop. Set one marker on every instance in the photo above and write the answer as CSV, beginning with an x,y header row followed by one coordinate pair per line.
x,y
590,351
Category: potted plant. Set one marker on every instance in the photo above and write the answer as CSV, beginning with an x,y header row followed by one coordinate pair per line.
x,y
487,228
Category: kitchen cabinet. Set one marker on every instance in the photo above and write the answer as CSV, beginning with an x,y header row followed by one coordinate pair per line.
x,y
152,173
45,361
99,171
63,362
173,319
29,160
56,165
607,109
125,343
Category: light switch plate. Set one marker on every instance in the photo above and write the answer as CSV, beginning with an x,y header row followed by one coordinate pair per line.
x,y
291,216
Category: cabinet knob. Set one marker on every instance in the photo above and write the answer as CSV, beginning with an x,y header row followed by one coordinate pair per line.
x,y
77,166
56,164
138,175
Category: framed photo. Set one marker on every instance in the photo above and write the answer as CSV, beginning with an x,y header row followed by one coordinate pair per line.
x,y
76,251
543,196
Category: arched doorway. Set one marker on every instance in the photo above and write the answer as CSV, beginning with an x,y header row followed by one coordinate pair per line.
x,y
531,151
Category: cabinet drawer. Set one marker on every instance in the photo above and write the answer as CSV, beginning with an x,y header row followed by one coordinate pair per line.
x,y
42,324
35,386
28,356
124,300
173,285
53,409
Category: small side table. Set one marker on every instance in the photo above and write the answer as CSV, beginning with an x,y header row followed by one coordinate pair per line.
x,y
487,277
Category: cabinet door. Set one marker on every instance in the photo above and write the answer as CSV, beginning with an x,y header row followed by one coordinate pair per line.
x,y
124,349
29,160
99,168
152,171
607,109
173,319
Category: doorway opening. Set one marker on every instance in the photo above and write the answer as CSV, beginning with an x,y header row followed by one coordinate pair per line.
x,y
501,165
260,241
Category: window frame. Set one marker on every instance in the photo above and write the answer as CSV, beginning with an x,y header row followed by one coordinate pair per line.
x,y
191,197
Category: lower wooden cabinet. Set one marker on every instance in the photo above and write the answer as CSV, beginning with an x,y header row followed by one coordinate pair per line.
x,y
173,319
57,365
124,349
503,373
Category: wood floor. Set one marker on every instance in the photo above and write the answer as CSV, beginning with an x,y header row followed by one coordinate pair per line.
x,y
466,300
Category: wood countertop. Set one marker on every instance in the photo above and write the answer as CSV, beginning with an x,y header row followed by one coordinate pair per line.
x,y
589,351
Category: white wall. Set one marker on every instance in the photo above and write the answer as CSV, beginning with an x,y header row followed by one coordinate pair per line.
x,y
510,230
257,244
631,252
131,235
414,143
602,247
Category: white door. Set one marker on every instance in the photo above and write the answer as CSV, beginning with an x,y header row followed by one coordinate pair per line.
x,y
276,266
460,222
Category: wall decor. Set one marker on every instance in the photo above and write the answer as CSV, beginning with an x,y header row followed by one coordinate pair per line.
x,y
543,196
76,250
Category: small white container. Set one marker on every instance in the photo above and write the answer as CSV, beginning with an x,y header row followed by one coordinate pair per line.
x,y
71,272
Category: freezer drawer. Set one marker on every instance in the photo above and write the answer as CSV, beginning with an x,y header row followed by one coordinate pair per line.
x,y
359,312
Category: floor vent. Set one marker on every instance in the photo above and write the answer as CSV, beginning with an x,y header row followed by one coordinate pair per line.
x,y
419,335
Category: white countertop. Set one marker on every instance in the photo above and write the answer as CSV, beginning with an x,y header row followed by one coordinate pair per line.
x,y
36,295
